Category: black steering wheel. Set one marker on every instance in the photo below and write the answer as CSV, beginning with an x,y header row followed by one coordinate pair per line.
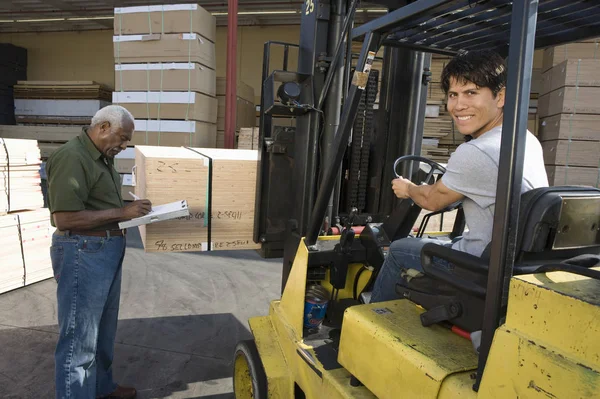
x,y
434,165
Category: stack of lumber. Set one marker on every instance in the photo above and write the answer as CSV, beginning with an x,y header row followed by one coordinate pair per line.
x,y
13,67
59,102
19,175
25,253
440,139
569,111
53,112
245,109
248,138
219,186
24,225
165,73
49,138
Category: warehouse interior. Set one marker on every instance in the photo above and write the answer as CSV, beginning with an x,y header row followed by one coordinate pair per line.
x,y
183,309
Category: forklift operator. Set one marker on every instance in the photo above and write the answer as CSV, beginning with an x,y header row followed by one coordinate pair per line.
x,y
475,85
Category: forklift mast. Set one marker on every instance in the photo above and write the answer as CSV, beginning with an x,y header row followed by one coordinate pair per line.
x,y
297,159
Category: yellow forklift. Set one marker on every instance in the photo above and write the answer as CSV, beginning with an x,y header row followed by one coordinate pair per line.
x,y
522,321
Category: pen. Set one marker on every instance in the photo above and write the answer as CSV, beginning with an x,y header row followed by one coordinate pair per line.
x,y
135,197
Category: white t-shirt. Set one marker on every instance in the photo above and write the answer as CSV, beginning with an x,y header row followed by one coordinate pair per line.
x,y
473,171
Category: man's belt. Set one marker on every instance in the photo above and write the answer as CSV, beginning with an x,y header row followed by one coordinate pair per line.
x,y
92,233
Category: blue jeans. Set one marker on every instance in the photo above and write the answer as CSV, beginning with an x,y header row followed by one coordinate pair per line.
x,y
88,272
403,254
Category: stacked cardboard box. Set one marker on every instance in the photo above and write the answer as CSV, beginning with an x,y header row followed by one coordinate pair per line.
x,y
219,186
569,110
13,67
125,165
245,109
24,225
165,73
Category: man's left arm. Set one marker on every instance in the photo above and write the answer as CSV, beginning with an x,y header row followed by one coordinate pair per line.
x,y
431,197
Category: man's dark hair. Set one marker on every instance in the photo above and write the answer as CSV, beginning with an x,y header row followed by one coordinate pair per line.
x,y
485,68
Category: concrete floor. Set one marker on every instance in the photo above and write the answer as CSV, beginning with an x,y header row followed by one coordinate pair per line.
x,y
181,316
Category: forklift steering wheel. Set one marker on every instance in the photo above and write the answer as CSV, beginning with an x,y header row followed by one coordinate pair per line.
x,y
434,165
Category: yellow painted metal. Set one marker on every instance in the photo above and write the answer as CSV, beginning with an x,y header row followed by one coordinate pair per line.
x,y
459,385
280,383
292,300
549,346
402,356
242,379
348,290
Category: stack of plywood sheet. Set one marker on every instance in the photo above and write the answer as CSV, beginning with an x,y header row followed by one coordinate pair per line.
x,y
52,112
13,67
248,138
569,110
25,253
245,109
24,225
219,186
19,175
49,138
165,73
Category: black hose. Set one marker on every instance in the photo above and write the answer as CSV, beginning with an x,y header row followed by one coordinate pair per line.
x,y
358,274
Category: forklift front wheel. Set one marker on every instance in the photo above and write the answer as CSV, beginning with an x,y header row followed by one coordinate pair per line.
x,y
249,378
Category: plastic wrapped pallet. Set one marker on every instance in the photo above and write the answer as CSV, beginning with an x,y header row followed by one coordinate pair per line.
x,y
219,187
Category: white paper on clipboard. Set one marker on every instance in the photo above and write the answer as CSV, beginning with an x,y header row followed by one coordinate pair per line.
x,y
159,213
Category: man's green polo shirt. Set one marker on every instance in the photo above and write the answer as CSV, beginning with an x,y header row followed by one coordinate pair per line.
x,y
81,178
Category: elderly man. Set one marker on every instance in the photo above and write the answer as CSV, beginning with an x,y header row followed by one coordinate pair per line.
x,y
84,197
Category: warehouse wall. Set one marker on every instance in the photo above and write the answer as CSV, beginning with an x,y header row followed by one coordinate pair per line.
x,y
90,54
251,40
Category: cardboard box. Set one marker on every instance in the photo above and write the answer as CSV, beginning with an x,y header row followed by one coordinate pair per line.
x,y
127,186
582,100
580,72
184,47
166,77
219,187
573,153
174,18
555,55
573,176
573,126
245,113
174,133
168,105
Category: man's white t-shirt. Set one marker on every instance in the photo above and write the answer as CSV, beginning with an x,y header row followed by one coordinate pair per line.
x,y
473,171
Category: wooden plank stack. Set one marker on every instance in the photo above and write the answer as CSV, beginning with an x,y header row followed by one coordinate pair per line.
x,y
219,186
245,109
53,112
165,73
248,138
13,67
24,225
440,139
569,111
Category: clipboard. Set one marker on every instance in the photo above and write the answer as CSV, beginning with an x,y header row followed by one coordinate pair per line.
x,y
159,213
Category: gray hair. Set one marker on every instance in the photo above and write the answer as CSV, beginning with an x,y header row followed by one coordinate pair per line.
x,y
113,114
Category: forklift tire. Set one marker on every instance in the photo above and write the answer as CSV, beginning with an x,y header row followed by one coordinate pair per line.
x,y
249,378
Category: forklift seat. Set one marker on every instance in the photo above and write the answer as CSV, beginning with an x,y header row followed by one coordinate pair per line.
x,y
558,226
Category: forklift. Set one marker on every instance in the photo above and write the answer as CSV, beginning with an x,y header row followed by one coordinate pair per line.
x,y
521,321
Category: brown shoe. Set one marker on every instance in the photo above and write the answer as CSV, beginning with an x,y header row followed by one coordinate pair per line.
x,y
122,393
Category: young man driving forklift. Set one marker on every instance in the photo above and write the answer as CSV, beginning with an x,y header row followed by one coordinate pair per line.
x,y
475,85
